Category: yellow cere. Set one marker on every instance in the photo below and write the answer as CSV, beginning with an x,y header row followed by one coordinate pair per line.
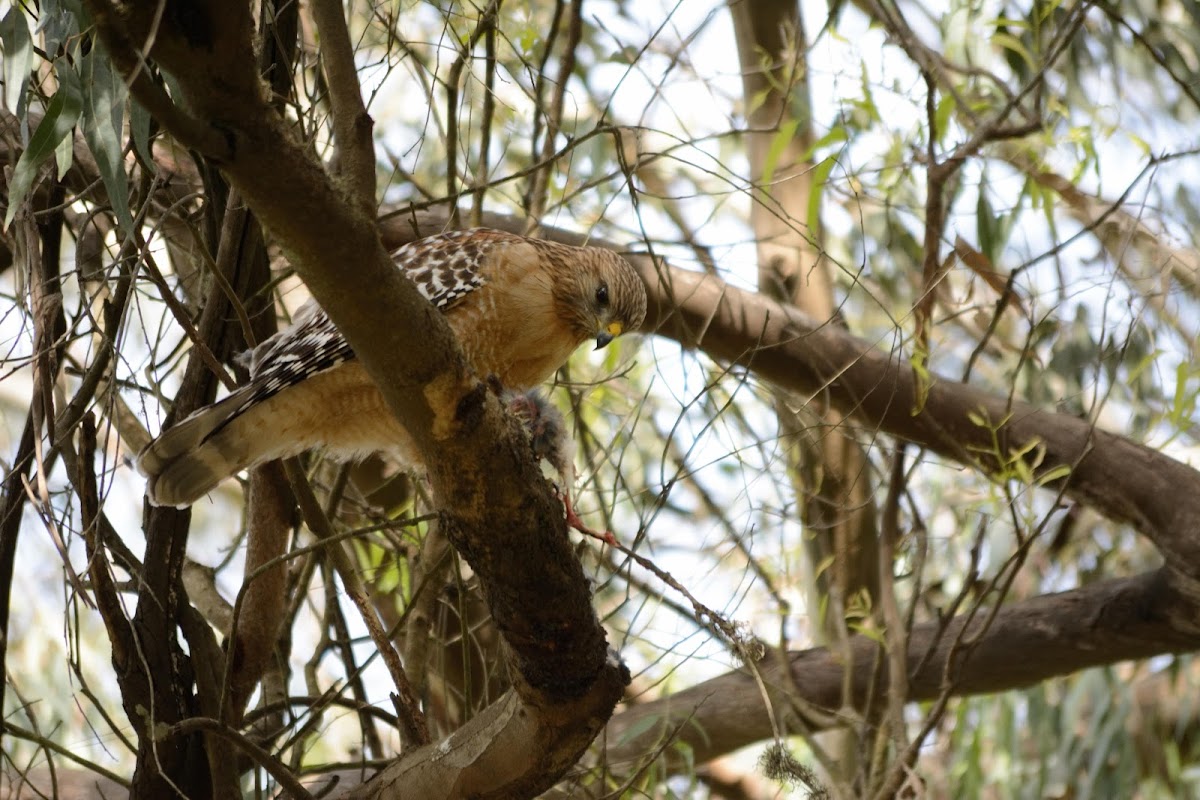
x,y
614,328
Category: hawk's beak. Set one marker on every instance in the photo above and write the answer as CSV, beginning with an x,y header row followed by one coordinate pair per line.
x,y
608,334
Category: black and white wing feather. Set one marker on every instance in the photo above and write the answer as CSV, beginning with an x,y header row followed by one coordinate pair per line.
x,y
244,429
445,269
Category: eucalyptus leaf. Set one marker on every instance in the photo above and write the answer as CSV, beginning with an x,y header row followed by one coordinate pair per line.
x,y
58,24
820,176
18,58
785,135
103,120
64,156
61,116
139,129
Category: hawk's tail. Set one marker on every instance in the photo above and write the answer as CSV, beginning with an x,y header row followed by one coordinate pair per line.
x,y
189,459
338,411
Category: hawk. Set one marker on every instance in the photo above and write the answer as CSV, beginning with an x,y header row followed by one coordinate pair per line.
x,y
518,306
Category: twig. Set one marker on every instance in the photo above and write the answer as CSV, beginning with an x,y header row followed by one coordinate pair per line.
x,y
489,111
414,731
270,763
65,752
433,565
352,125
182,316
486,24
536,206
895,634
716,622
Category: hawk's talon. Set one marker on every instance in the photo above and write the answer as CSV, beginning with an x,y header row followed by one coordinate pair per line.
x,y
573,520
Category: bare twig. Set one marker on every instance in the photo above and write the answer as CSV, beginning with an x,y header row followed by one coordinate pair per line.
x,y
270,763
895,634
539,193
65,752
352,125
487,23
414,730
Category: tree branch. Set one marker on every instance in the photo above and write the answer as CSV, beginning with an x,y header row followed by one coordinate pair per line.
x,y
1102,623
352,125
1123,480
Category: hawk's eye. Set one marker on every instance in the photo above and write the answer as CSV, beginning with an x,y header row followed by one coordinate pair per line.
x,y
602,295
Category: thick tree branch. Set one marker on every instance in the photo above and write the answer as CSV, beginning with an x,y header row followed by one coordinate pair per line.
x,y
1118,477
1103,623
1028,642
477,761
1123,480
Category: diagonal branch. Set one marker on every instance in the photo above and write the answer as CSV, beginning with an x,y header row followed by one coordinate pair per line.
x,y
352,125
1118,477
1102,623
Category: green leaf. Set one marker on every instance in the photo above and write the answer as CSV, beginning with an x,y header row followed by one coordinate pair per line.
x,y
820,175
103,119
139,128
64,156
756,100
528,39
1061,472
944,113
61,116
922,379
58,24
1183,402
1014,45
785,134
985,222
837,134
643,725
1141,144
18,58
866,102
869,632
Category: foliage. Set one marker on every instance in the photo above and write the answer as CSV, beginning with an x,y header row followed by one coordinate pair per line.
x,y
1043,149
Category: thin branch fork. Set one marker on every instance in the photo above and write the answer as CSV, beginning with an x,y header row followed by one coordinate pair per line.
x,y
352,125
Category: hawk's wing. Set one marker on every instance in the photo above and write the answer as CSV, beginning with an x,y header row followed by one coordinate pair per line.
x,y
445,269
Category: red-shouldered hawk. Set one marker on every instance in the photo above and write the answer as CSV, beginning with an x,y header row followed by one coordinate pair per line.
x,y
518,306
